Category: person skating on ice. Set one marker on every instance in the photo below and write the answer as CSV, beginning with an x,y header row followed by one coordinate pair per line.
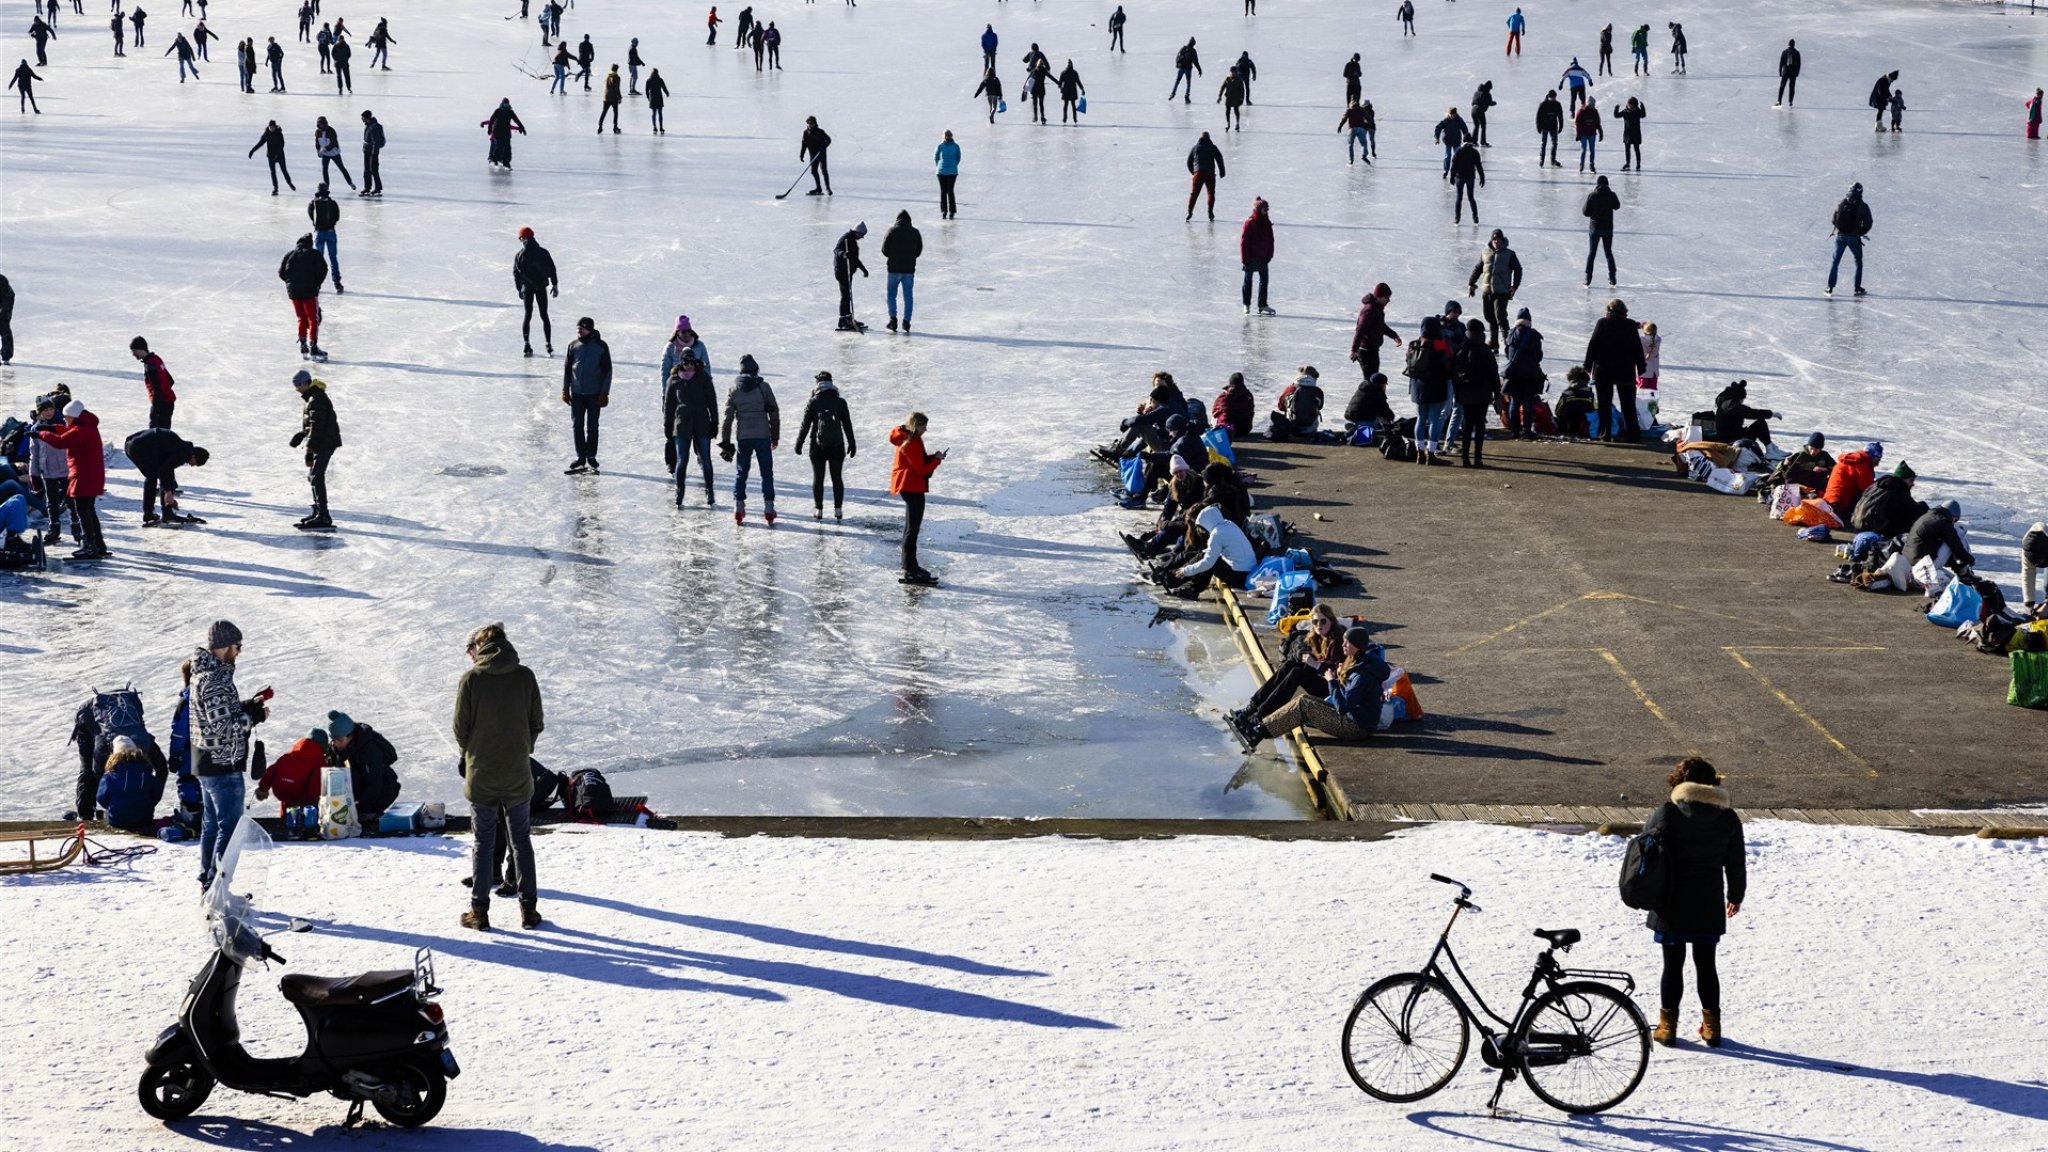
x,y
1788,74
992,87
947,158
902,244
845,262
813,146
1357,123
1071,91
633,65
689,416
1187,64
910,478
828,427
750,434
613,98
1549,126
1852,222
1451,132
325,214
187,57
1677,48
1599,209
587,390
24,82
534,278
327,145
1500,270
1587,128
1631,116
157,383
302,270
500,125
373,151
1482,99
1231,96
1205,167
657,99
1466,167
1255,253
1117,20
1354,80
320,435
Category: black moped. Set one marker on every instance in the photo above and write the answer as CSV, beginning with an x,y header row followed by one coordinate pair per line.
x,y
376,1038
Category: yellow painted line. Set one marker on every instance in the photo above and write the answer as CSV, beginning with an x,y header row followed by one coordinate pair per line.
x,y
1528,620
1802,713
1633,685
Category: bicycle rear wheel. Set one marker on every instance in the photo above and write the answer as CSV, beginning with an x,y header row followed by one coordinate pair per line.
x,y
1586,1047
1405,1038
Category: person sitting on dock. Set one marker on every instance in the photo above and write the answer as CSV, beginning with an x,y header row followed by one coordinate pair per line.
x,y
1148,426
1809,468
1735,420
1315,644
1184,492
1226,555
1350,709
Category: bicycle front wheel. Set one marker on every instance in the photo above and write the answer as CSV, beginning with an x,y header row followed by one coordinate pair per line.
x,y
1586,1047
1405,1038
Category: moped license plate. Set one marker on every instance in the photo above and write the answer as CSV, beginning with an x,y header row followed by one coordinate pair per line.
x,y
448,1064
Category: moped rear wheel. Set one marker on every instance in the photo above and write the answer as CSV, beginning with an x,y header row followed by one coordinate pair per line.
x,y
174,1091
1405,1038
1585,1048
422,1091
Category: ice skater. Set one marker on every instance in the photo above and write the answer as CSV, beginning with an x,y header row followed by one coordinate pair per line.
x,y
327,145
380,43
1581,84
1406,15
1358,122
500,125
1116,29
947,157
989,40
561,64
902,244
1677,48
1466,166
1354,80
1500,270
274,54
813,145
1255,253
138,18
41,32
1606,65
187,57
711,24
1898,109
1852,223
1788,74
586,57
1071,91
689,414
325,214
158,453
613,97
303,270
633,65
657,99
344,80
272,143
319,434
751,412
534,278
587,390
2034,116
1601,205
373,151
324,43
200,35
1231,96
828,425
992,87
1639,49
772,40
1549,126
1187,64
845,262
1587,128
1451,132
1482,99
1205,167
157,383
24,84
120,27
1881,96
1631,117
1516,24
910,478
1246,73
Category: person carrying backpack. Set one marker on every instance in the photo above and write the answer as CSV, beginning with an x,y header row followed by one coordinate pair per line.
x,y
1298,410
1522,376
1428,368
1852,223
497,719
829,427
1707,879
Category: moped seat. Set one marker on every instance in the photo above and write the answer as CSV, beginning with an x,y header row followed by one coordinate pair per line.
x,y
328,991
1559,937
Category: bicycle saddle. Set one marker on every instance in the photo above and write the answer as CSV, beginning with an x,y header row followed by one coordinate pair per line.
x,y
1559,937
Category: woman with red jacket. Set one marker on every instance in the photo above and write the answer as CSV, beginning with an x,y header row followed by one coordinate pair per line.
x,y
910,478
295,776
1255,251
79,437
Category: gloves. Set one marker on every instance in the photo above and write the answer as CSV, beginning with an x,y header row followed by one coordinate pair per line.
x,y
605,400
255,711
668,453
726,452
555,292
298,438
565,395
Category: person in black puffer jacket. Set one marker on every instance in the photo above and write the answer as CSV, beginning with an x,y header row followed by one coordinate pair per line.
x,y
1702,846
1475,381
829,427
1614,358
1887,507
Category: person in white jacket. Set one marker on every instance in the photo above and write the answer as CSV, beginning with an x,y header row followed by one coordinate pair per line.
x,y
1228,556
2033,562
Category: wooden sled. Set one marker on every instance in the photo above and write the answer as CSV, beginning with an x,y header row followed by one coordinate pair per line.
x,y
74,850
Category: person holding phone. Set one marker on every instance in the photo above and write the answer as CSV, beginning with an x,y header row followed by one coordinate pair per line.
x,y
911,479
222,721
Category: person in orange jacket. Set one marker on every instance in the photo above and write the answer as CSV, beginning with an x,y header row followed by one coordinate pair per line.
x,y
1853,472
910,478
295,776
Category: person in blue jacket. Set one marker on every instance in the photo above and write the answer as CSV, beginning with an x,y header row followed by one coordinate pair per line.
x,y
130,787
1516,24
947,157
1351,710
988,46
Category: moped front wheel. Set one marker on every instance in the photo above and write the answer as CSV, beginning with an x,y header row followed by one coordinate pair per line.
x,y
1405,1038
174,1091
422,1089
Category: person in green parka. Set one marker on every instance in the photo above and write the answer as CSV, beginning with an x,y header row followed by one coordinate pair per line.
x,y
497,720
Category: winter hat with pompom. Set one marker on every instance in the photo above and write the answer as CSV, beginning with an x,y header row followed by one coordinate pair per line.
x,y
339,724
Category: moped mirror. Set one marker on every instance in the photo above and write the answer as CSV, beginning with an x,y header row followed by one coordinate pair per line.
x,y
298,925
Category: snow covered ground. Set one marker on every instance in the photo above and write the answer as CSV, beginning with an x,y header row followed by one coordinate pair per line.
x,y
742,670
1880,992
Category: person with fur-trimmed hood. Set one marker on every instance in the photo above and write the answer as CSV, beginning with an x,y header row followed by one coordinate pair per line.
x,y
1703,849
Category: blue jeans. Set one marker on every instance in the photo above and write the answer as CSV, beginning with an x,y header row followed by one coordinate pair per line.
x,y
749,451
685,445
1450,150
1521,415
907,280
1430,423
1847,244
14,514
323,243
1589,153
221,799
1180,75
561,81
184,64
1361,141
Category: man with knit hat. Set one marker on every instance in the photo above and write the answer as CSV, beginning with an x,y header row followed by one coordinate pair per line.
x,y
79,437
1887,507
368,756
845,262
1371,330
497,719
221,722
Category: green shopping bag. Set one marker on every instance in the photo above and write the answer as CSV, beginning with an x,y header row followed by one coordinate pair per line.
x,y
2029,687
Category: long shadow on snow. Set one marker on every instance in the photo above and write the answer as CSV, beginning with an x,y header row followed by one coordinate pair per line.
x,y
1617,1132
2024,1098
791,938
193,567
435,300
233,1132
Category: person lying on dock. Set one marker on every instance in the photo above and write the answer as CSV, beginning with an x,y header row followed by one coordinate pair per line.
x,y
1349,709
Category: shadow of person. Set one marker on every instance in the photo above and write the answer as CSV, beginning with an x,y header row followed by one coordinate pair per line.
x,y
2027,1099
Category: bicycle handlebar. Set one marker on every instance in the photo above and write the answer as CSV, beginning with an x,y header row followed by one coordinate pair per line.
x,y
1464,890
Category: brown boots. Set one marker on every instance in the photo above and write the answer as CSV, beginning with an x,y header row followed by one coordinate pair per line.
x,y
1666,1032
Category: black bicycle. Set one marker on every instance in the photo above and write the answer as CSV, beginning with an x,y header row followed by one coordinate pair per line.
x,y
1580,1041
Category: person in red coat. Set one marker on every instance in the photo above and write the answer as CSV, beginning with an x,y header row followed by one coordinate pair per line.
x,y
295,776
86,461
910,478
1255,251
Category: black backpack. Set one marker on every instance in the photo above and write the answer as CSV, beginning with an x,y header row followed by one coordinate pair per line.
x,y
1645,871
99,720
1416,365
548,787
590,797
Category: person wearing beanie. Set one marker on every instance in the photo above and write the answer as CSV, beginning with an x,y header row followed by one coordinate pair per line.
x,y
1614,357
368,756
683,339
1852,222
752,413
319,434
828,425
587,390
1501,270
633,65
295,776
1853,473
813,146
373,148
1735,420
1372,330
498,716
131,784
156,382
221,722
1350,709
1522,376
1475,381
689,416
902,244
158,453
302,270
500,124
1702,838
1936,539
1887,507
1255,252
1601,205
845,262
1808,468
535,279
1234,409
78,437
